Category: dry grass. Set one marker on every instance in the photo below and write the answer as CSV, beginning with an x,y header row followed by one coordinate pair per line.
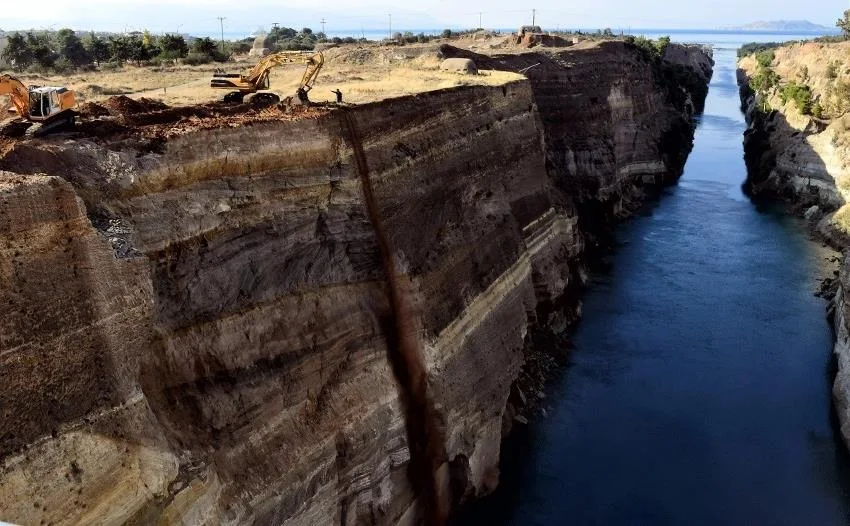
x,y
362,73
841,219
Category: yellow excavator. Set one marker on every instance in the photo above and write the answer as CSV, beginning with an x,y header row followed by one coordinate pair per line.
x,y
258,77
51,107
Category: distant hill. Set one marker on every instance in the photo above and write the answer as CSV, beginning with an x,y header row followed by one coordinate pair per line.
x,y
787,25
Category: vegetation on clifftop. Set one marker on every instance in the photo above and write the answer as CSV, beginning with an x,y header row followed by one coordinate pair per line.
x,y
800,94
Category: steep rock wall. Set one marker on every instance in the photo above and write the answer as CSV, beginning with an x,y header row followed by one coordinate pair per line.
x,y
803,161
618,121
206,331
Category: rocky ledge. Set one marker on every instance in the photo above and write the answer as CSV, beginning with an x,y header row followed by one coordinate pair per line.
x,y
310,319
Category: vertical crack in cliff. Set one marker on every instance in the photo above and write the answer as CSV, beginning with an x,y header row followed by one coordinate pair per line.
x,y
425,437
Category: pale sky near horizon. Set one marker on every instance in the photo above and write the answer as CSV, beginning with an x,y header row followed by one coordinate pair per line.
x,y
245,16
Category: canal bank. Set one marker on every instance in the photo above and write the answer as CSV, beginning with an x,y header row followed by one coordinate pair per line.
x,y
697,389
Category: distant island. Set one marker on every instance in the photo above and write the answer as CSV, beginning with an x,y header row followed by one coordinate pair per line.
x,y
786,25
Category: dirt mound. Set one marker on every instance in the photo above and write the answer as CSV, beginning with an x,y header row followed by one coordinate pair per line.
x,y
153,104
93,109
123,105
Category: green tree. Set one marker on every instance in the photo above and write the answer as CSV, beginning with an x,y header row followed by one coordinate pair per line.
x,y
42,51
119,49
204,46
447,33
139,52
71,48
17,51
97,48
173,46
844,23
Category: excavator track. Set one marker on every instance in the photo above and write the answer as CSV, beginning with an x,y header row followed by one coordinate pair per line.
x,y
61,122
15,128
262,99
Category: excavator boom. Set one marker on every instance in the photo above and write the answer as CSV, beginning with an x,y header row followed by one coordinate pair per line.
x,y
258,77
17,91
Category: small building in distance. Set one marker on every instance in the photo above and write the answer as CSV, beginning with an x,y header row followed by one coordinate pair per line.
x,y
532,36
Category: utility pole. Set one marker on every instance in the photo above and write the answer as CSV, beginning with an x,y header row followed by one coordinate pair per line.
x,y
323,27
533,17
391,26
479,20
221,23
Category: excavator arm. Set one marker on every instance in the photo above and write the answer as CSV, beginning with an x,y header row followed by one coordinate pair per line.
x,y
257,78
18,92
314,65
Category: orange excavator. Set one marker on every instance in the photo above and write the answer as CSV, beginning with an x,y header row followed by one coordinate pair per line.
x,y
50,107
258,77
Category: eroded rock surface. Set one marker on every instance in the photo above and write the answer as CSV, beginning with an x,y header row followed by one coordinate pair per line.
x,y
803,160
203,330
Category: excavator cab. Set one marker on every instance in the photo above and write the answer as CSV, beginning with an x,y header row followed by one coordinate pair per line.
x,y
47,102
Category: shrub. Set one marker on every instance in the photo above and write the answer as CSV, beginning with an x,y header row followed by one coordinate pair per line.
x,y
240,47
764,81
661,45
800,94
765,58
196,59
832,71
653,50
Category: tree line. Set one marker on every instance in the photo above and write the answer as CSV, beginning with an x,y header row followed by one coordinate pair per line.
x,y
66,50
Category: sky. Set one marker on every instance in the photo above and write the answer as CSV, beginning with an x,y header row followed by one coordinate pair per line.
x,y
247,16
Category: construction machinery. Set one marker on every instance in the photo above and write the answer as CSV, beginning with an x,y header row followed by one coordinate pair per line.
x,y
50,107
258,77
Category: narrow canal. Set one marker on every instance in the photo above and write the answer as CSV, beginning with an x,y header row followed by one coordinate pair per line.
x,y
698,389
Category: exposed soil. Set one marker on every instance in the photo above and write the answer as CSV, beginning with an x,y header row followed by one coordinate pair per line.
x,y
120,117
93,109
123,105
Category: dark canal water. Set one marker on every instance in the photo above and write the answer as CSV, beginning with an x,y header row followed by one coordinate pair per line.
x,y
698,389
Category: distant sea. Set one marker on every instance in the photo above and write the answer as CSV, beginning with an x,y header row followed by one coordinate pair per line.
x,y
702,36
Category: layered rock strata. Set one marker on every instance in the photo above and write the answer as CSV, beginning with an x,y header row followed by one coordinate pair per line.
x,y
311,321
